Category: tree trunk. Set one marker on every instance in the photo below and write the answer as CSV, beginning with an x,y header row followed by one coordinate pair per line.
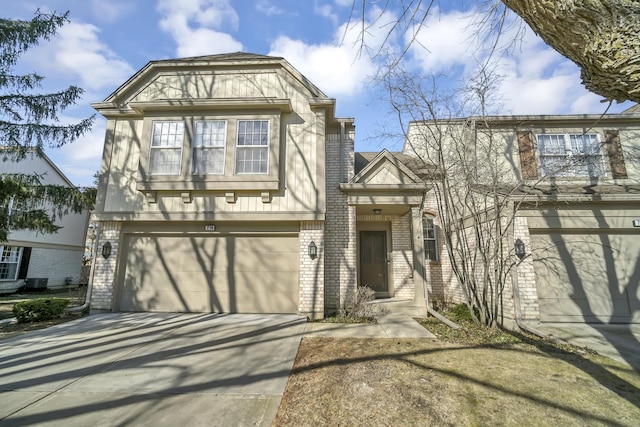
x,y
600,36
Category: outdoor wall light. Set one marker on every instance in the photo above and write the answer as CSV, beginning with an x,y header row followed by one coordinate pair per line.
x,y
520,249
313,250
106,250
377,211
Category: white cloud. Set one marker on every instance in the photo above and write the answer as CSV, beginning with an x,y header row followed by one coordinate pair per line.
x,y
538,80
442,42
268,8
535,79
338,68
77,51
111,10
325,11
195,25
334,69
344,3
81,159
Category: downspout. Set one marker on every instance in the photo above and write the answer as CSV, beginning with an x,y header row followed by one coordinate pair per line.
x,y
342,138
87,297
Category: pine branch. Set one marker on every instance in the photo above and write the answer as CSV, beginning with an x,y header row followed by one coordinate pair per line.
x,y
17,36
39,107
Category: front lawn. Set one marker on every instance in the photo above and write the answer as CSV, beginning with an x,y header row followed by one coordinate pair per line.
x,y
465,378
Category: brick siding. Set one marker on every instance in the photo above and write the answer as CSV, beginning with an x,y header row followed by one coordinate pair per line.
x,y
311,290
340,226
105,269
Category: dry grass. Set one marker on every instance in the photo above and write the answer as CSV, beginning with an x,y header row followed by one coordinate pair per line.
x,y
485,378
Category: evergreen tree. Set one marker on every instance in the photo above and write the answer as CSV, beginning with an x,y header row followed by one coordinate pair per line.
x,y
28,124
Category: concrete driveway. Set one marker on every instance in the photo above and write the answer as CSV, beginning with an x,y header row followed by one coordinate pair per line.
x,y
142,369
619,342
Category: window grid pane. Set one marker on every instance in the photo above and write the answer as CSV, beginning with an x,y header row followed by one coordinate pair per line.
x,y
9,262
165,157
208,161
567,155
208,150
430,241
252,150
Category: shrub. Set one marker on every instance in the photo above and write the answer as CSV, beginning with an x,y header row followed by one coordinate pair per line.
x,y
357,306
40,309
460,312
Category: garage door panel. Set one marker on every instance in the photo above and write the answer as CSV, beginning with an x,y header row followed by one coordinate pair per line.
x,y
165,301
205,302
586,277
175,274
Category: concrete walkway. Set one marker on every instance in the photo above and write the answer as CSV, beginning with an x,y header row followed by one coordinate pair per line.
x,y
391,325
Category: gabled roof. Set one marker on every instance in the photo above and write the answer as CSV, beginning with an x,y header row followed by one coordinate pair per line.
x,y
45,159
238,59
384,168
234,56
421,169
634,109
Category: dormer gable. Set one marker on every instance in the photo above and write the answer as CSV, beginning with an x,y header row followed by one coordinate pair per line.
x,y
385,169
228,81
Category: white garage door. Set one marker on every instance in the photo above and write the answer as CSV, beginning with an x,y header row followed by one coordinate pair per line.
x,y
228,274
588,277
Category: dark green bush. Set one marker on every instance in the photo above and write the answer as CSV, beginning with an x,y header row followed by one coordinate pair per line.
x,y
38,310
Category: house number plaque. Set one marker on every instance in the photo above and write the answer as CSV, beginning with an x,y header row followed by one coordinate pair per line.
x,y
636,222
210,227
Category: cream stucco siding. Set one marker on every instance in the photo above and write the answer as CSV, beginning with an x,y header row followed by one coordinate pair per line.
x,y
298,156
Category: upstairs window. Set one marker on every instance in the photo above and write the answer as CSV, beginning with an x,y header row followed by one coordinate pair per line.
x,y
9,262
252,147
209,147
166,148
430,241
567,155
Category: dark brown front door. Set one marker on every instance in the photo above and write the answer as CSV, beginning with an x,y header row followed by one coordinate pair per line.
x,y
373,260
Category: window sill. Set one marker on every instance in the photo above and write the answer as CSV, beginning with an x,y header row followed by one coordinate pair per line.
x,y
215,183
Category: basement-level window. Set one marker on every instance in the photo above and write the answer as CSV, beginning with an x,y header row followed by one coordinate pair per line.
x,y
567,155
430,240
9,262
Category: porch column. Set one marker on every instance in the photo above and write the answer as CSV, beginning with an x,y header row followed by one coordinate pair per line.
x,y
419,274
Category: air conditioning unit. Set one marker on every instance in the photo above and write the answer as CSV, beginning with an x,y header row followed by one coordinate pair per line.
x,y
36,283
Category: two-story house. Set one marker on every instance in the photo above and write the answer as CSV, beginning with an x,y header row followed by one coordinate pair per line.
x,y
39,260
228,185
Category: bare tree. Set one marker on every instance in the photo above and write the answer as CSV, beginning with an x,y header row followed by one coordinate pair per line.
x,y
600,36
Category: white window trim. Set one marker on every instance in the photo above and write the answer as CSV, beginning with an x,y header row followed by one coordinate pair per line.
x,y
223,147
267,147
433,239
16,263
568,171
151,148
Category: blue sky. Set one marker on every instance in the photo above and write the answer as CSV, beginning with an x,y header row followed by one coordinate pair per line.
x,y
107,41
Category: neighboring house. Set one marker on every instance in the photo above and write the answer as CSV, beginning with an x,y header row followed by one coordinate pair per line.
x,y
228,185
577,181
43,260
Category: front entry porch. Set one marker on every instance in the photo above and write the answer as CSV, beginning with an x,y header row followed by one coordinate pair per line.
x,y
386,253
388,199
